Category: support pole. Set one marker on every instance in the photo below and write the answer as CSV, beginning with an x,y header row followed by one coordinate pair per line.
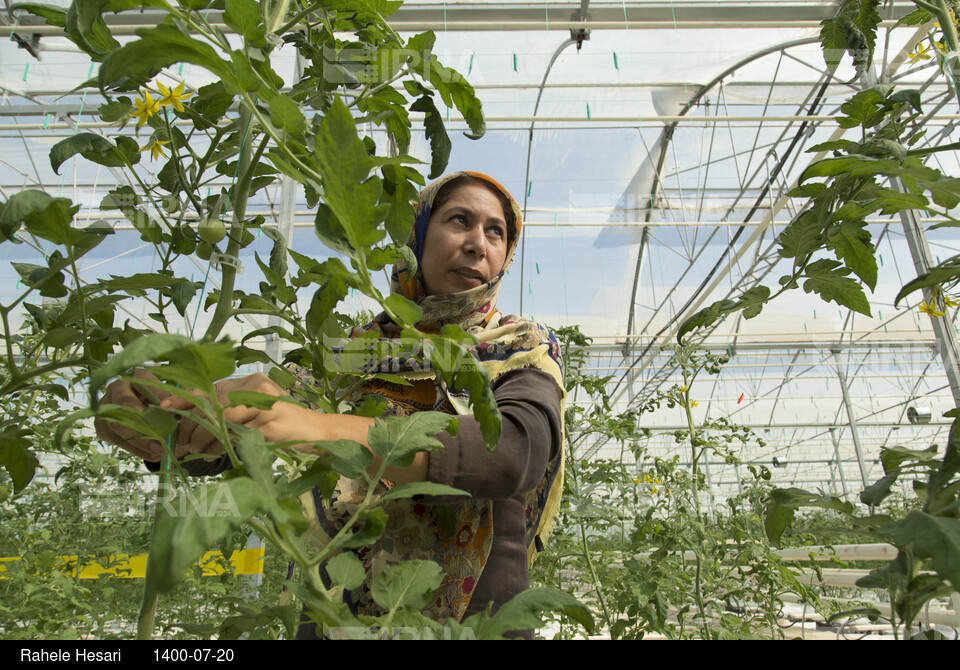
x,y
851,417
942,329
836,451
288,207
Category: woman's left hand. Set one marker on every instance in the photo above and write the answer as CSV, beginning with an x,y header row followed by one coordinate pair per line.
x,y
273,423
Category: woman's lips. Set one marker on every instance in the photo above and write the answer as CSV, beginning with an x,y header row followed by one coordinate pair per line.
x,y
469,277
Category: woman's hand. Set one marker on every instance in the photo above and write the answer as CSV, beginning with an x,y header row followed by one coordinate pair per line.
x,y
135,397
275,424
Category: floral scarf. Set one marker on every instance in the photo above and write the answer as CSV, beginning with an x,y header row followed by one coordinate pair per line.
x,y
458,537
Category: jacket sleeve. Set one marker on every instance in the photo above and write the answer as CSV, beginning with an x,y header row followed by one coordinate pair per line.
x,y
200,467
530,404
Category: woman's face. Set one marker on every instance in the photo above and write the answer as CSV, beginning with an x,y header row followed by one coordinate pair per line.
x,y
466,241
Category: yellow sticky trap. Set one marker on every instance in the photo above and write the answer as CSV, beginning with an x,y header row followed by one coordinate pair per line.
x,y
124,566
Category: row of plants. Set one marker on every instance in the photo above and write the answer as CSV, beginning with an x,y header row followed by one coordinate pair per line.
x,y
628,522
833,255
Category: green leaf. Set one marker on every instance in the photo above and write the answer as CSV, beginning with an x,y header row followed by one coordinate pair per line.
x,y
917,17
852,243
892,202
783,503
833,37
751,302
350,458
116,110
457,92
388,107
893,457
325,299
847,146
440,145
21,206
97,149
285,114
141,350
523,611
380,257
421,489
826,278
54,222
854,166
346,570
244,17
160,47
152,422
945,191
191,523
408,311
17,458
945,273
406,585
805,234
883,148
374,523
932,538
54,16
874,494
397,440
208,106
278,253
776,520
400,195
348,189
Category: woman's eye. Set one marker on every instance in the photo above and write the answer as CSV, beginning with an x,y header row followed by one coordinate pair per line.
x,y
497,231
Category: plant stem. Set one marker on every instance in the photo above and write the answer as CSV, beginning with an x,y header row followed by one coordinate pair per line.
x,y
241,190
279,12
942,11
953,146
584,542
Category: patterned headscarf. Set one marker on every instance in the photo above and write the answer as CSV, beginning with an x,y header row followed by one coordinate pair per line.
x,y
476,307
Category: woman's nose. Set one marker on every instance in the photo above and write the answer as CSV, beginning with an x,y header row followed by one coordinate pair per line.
x,y
475,242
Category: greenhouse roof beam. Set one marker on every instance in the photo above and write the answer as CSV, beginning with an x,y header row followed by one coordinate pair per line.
x,y
550,16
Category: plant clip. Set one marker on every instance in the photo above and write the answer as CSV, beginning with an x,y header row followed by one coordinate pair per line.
x,y
219,260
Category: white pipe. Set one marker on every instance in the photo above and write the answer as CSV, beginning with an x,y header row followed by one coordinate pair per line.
x,y
484,26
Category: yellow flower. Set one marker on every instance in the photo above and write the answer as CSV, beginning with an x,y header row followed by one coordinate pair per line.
x,y
145,109
941,47
930,308
155,147
920,55
172,97
636,480
683,389
694,403
950,302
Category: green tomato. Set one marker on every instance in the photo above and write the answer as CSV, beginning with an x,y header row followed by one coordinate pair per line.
x,y
170,204
5,492
205,250
211,230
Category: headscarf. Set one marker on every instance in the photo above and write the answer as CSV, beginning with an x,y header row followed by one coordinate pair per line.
x,y
416,529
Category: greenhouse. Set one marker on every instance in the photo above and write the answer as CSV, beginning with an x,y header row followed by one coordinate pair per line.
x,y
725,406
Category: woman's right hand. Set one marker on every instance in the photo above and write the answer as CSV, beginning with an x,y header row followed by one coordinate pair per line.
x,y
138,398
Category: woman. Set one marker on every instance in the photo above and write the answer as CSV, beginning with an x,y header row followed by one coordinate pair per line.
x,y
464,239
